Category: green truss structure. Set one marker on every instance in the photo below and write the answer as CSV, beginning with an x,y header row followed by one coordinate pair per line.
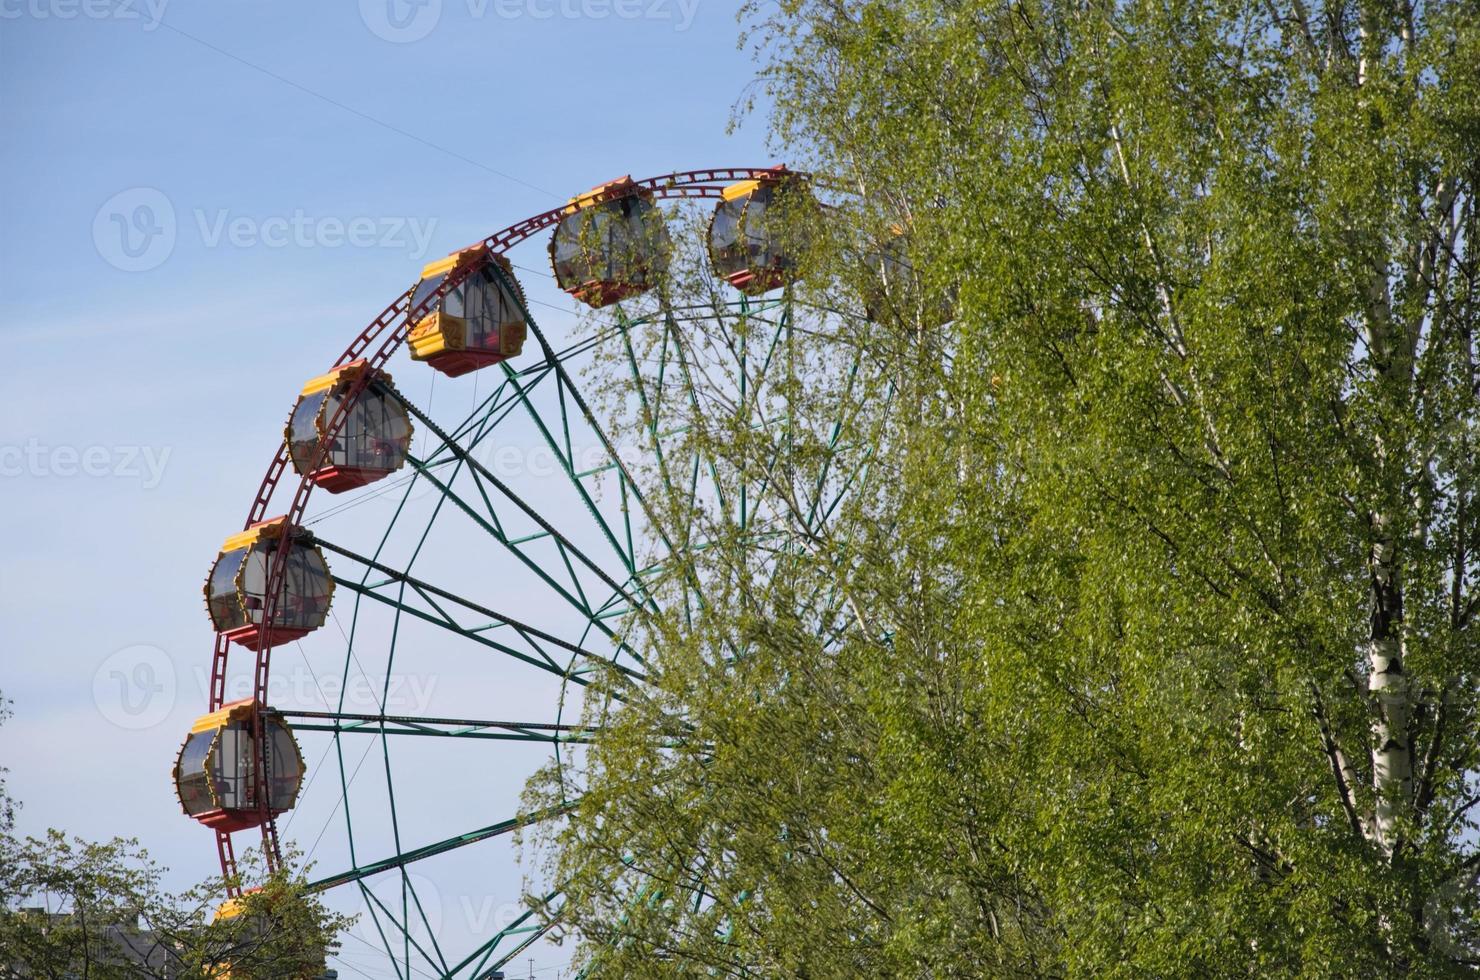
x,y
597,559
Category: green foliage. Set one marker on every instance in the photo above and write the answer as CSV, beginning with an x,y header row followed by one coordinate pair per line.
x,y
1148,645
7,805
71,908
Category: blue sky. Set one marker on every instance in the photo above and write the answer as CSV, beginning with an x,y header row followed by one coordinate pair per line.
x,y
202,202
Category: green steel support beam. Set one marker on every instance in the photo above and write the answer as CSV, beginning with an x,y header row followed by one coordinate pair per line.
x,y
485,474
432,850
332,721
430,593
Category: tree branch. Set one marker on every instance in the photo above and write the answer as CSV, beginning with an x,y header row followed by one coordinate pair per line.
x,y
1341,770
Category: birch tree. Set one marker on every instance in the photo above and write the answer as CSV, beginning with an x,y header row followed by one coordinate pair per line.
x,y
1167,661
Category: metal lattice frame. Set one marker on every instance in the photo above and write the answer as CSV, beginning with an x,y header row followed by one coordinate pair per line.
x,y
602,590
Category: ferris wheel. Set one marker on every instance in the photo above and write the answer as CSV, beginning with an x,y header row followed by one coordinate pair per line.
x,y
453,575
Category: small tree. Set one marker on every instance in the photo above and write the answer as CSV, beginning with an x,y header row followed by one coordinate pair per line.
x,y
71,908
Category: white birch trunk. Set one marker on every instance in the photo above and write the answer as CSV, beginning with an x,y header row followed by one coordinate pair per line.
x,y
1392,759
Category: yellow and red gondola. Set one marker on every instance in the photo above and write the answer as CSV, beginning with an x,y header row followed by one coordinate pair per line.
x,y
372,442
478,322
759,230
893,288
217,768
611,243
236,588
